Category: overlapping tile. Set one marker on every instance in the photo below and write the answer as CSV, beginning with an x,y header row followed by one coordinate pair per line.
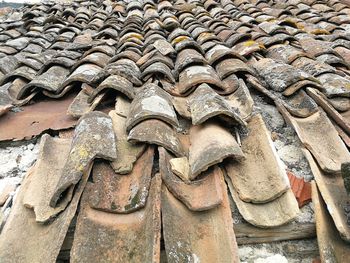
x,y
261,177
334,194
131,237
180,75
22,225
207,237
93,138
211,144
331,246
330,152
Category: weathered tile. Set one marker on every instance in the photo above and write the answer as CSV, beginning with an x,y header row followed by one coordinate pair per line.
x,y
154,57
332,248
135,237
116,193
97,58
158,69
334,194
17,92
322,100
219,53
300,104
205,103
51,160
313,67
43,241
261,177
241,100
85,73
275,213
116,83
24,72
151,103
157,132
335,85
50,80
192,76
127,69
319,136
187,57
232,66
281,77
199,195
93,138
211,144
207,235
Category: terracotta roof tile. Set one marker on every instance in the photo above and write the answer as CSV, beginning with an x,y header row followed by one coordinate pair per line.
x,y
176,78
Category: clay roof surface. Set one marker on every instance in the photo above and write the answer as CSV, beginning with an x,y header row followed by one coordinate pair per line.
x,y
166,133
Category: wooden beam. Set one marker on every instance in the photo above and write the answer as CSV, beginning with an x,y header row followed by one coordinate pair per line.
x,y
248,234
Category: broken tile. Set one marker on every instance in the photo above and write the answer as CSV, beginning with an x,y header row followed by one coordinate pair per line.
x,y
319,136
164,47
156,132
51,160
334,195
122,106
36,118
16,90
5,108
5,190
261,177
21,225
300,188
207,235
181,168
199,195
332,248
127,153
211,144
93,138
116,193
81,105
131,237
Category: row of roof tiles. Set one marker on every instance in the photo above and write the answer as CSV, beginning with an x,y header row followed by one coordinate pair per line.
x,y
179,74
